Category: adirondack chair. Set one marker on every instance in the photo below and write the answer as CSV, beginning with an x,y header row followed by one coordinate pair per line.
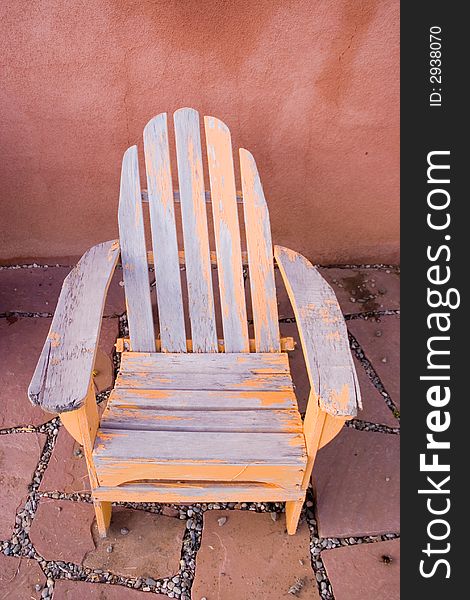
x,y
194,418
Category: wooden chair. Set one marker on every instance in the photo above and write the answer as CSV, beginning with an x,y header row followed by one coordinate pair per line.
x,y
194,418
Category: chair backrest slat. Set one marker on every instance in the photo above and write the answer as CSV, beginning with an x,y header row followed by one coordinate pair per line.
x,y
174,329
227,236
134,256
195,232
164,240
260,257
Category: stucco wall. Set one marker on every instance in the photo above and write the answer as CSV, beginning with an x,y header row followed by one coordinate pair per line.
x,y
310,87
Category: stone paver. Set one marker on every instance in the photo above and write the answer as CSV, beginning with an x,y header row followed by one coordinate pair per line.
x,y
356,478
297,365
151,548
66,471
21,342
64,530
381,344
284,307
61,530
19,456
357,290
104,367
365,571
251,557
375,409
19,578
364,290
37,290
79,590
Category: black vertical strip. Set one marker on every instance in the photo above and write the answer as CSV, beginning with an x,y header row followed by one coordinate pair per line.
x,y
427,128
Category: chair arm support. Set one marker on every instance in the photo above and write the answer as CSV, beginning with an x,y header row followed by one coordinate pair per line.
x,y
63,374
323,335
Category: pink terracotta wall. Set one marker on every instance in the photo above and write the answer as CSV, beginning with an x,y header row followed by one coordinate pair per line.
x,y
310,87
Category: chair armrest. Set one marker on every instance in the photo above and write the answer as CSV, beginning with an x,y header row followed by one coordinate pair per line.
x,y
323,335
63,374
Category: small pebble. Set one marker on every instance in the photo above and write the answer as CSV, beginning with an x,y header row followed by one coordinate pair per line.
x,y
124,531
222,521
109,549
274,516
384,359
169,511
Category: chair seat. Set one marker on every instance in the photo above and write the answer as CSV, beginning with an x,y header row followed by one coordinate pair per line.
x,y
202,417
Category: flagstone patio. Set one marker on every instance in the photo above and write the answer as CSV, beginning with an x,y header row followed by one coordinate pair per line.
x,y
347,545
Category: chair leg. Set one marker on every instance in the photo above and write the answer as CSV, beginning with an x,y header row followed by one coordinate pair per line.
x,y
293,510
103,516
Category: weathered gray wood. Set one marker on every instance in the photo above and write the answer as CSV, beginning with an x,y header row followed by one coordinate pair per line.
x,y
177,400
287,344
260,257
134,256
231,448
218,364
204,381
195,232
63,374
227,235
176,196
323,334
261,421
165,248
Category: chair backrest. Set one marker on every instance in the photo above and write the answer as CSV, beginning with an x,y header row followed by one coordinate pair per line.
x,y
192,198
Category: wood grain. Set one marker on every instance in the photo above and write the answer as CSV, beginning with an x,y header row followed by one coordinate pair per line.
x,y
165,248
63,374
122,456
227,235
195,232
176,196
148,380
223,400
189,492
134,256
260,257
218,364
182,258
287,344
323,334
235,421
